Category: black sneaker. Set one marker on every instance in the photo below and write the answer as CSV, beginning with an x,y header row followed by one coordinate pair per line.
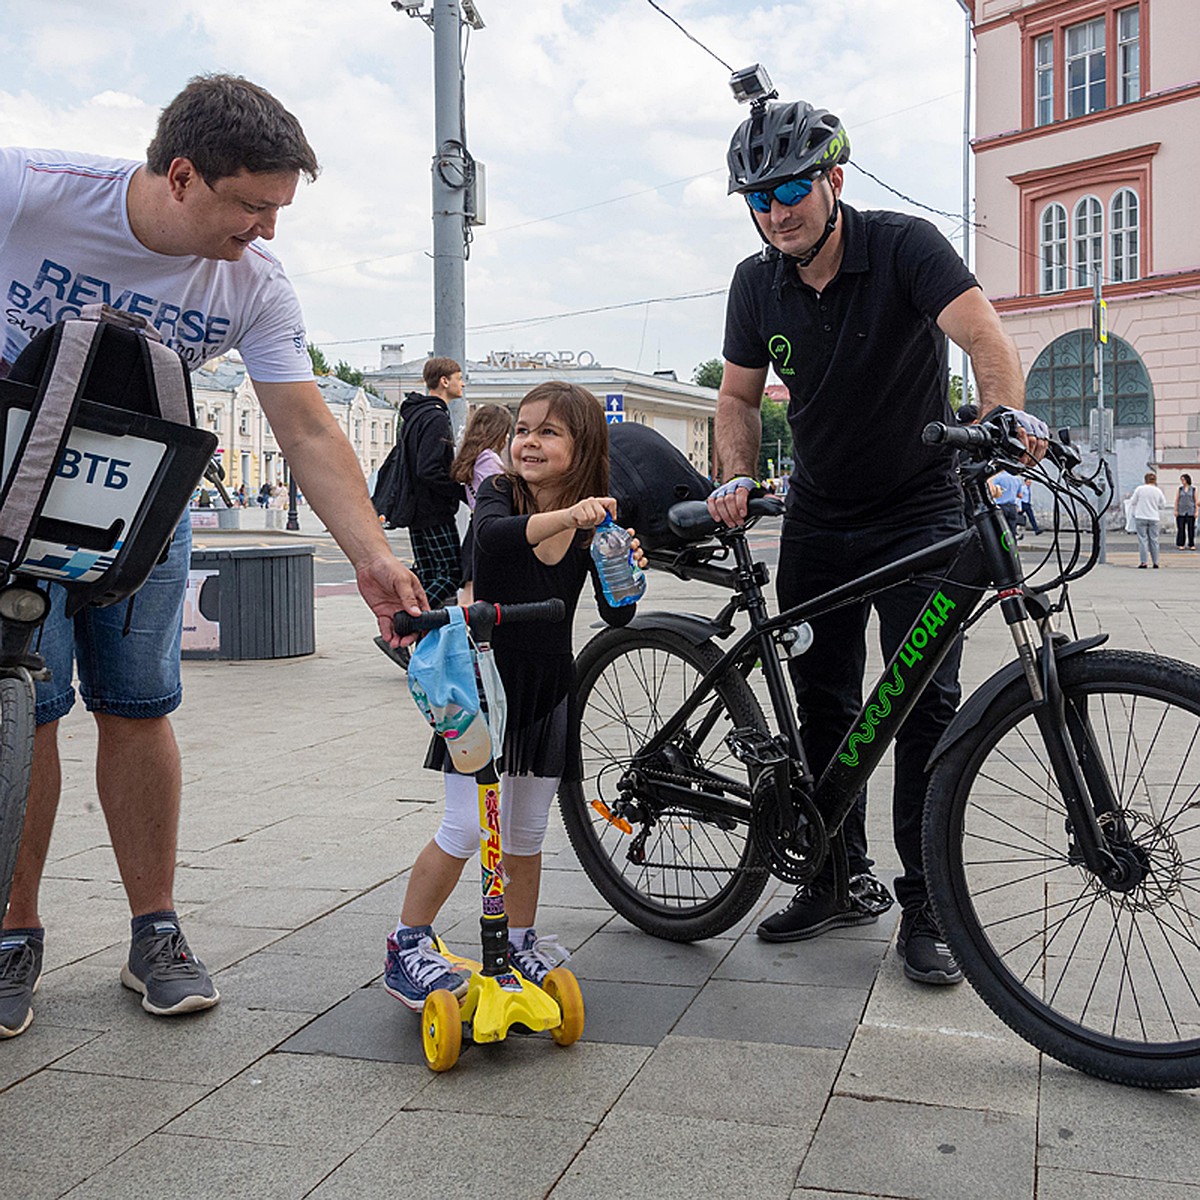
x,y
398,654
927,958
20,972
537,956
813,910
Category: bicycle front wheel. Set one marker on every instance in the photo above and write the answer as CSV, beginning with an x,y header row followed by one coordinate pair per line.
x,y
16,759
1105,980
674,854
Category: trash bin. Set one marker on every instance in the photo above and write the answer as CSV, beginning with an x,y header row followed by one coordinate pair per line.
x,y
250,602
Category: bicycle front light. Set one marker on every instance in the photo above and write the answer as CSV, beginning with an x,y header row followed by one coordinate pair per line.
x,y
25,604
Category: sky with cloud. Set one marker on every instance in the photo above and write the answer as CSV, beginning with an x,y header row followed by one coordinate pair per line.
x,y
602,127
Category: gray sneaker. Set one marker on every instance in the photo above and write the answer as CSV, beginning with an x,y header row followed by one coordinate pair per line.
x,y
163,968
20,973
537,956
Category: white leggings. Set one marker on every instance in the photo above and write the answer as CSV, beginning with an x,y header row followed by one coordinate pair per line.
x,y
524,814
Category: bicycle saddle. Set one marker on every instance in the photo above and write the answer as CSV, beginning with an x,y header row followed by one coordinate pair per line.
x,y
691,520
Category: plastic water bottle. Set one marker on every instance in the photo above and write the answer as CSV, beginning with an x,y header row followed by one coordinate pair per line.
x,y
621,580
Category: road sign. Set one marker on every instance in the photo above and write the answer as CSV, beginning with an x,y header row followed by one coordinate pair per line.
x,y
614,408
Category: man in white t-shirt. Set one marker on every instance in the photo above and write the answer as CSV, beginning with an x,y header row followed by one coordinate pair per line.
x,y
1146,505
176,240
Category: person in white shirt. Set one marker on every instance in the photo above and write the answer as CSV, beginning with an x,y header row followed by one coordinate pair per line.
x,y
1146,503
177,240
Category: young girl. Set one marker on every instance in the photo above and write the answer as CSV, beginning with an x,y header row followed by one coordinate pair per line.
x,y
532,529
478,458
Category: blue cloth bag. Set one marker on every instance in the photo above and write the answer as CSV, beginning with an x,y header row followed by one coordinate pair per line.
x,y
441,678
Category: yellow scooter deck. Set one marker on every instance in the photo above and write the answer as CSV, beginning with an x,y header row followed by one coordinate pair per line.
x,y
495,1003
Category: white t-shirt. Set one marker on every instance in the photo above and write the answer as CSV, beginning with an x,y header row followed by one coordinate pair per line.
x,y
65,241
1146,502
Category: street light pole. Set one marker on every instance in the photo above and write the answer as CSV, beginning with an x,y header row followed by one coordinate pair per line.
x,y
1099,338
966,176
453,170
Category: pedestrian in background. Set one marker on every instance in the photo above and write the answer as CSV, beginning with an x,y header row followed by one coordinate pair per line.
x,y
1146,505
478,458
1185,514
1025,499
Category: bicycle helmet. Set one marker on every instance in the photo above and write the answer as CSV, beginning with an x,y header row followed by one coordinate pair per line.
x,y
781,141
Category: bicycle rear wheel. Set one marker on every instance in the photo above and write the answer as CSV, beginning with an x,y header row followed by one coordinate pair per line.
x,y
1107,981
683,868
16,759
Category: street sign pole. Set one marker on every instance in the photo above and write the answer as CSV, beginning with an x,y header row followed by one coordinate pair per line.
x,y
1099,340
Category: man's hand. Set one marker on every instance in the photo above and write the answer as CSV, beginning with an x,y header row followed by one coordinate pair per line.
x,y
730,503
1034,433
389,587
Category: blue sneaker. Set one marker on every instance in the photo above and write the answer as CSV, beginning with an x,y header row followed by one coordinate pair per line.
x,y
163,968
413,968
20,972
537,956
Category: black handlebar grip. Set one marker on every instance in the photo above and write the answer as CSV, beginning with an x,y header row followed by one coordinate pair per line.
x,y
481,616
958,437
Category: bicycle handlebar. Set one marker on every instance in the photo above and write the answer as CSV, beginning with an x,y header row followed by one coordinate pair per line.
x,y
963,437
481,616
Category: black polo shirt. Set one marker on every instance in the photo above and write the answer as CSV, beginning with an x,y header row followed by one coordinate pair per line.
x,y
865,366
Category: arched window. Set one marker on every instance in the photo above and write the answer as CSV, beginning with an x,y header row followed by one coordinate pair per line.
x,y
1053,244
1125,241
1060,387
1089,240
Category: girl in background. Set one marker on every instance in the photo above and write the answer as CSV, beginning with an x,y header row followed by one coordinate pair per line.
x,y
478,458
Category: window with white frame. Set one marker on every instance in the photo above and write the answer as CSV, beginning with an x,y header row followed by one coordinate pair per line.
x,y
1085,68
244,423
1089,240
1124,243
1129,58
1053,247
1044,72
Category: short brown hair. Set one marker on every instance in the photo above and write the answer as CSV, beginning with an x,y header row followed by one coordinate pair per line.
x,y
583,415
224,124
1151,477
437,369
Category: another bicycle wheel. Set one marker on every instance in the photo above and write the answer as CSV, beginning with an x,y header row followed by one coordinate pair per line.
x,y
16,758
1105,980
681,866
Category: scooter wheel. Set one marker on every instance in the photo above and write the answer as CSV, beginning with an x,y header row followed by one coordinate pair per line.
x,y
441,1030
563,988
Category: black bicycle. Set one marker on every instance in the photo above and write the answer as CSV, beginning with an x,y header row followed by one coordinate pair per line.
x,y
1062,824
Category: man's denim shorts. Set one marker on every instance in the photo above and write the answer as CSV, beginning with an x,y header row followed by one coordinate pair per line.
x,y
127,675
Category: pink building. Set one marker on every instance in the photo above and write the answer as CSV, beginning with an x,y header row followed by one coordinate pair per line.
x,y
1087,159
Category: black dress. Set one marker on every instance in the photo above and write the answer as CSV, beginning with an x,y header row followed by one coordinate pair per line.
x,y
535,661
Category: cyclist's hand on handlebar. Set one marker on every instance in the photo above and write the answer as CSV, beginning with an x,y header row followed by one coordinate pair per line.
x,y
730,502
388,586
1033,432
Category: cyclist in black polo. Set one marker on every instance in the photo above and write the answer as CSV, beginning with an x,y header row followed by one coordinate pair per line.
x,y
852,310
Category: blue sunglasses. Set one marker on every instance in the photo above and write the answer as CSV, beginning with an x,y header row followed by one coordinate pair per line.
x,y
787,194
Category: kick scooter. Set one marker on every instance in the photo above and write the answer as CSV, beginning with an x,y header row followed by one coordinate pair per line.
x,y
498,997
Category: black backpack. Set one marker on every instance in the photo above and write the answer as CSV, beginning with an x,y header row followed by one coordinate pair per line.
x,y
96,421
394,498
647,474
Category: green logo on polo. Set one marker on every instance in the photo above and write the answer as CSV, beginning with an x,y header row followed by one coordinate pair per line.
x,y
780,349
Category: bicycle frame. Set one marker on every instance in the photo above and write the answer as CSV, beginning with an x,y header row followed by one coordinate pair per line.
x,y
980,556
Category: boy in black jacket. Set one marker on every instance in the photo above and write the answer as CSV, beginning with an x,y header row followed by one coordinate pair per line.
x,y
428,443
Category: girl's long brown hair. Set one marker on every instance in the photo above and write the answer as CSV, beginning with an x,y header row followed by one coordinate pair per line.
x,y
583,415
488,429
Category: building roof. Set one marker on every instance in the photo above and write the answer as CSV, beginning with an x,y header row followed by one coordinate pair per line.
x,y
220,375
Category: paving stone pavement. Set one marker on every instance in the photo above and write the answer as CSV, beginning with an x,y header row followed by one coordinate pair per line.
x,y
728,1067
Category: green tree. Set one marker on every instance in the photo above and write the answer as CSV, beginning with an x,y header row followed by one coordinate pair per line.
x,y
348,374
320,363
956,392
776,436
708,374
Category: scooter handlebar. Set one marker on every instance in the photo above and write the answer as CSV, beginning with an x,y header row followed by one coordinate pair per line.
x,y
481,616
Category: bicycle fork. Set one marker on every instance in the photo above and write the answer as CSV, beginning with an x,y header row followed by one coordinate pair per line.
x,y
1066,731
